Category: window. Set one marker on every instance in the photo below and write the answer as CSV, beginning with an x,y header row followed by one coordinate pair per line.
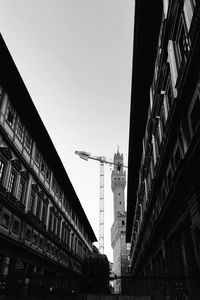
x,y
58,227
50,220
35,238
168,98
38,208
185,133
194,112
47,174
160,130
63,236
15,226
37,157
163,118
165,7
48,246
55,224
5,221
182,44
41,242
28,143
28,234
173,66
157,143
43,167
177,154
2,169
155,149
32,202
67,235
10,115
188,8
21,190
44,213
11,182
65,203
20,130
149,180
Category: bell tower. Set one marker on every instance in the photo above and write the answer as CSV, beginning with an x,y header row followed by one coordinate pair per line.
x,y
118,183
118,230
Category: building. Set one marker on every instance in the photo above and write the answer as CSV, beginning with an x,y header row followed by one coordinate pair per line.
x,y
45,235
118,230
163,205
96,273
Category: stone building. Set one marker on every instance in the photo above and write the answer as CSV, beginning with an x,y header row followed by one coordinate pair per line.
x,y
44,233
163,211
118,230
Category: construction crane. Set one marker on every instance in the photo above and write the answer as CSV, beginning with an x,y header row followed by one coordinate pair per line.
x,y
103,160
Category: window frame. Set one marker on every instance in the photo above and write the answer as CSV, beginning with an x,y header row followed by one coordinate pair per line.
x,y
188,9
182,46
196,97
10,113
21,190
3,165
6,225
11,186
28,142
38,210
44,213
20,130
14,222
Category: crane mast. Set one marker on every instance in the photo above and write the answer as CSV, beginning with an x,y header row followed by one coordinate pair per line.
x,y
101,209
103,160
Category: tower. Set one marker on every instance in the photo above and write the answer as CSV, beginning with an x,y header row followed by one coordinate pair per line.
x,y
118,242
118,183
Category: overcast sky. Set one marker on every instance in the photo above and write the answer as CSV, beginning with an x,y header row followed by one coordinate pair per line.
x,y
75,58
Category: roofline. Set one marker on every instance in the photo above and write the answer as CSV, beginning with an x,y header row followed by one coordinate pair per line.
x,y
146,29
12,81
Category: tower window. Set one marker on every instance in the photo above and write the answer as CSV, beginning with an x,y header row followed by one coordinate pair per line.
x,y
123,223
119,166
119,194
120,202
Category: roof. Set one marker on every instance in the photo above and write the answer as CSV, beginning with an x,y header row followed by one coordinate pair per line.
x,y
146,29
19,95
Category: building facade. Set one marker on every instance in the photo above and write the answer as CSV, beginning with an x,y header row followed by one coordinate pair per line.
x,y
45,235
118,230
163,210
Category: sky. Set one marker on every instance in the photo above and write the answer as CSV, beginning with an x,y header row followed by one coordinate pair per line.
x,y
75,58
